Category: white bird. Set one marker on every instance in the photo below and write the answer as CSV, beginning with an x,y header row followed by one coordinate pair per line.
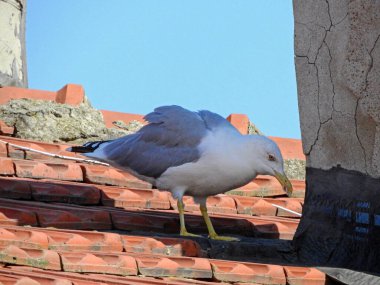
x,y
191,153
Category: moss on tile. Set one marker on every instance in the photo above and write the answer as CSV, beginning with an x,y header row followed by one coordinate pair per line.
x,y
53,122
295,168
133,126
253,130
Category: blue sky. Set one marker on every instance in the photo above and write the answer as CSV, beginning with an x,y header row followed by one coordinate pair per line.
x,y
132,56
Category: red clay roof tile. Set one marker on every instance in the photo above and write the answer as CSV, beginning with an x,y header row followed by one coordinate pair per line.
x,y
55,148
239,121
6,167
15,188
40,258
162,246
263,206
10,278
99,174
254,206
71,94
10,216
137,198
71,193
5,129
290,148
118,264
188,267
23,238
232,271
76,240
48,170
139,221
215,204
304,276
55,215
3,150
112,116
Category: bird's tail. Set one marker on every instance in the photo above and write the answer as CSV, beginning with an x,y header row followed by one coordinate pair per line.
x,y
87,147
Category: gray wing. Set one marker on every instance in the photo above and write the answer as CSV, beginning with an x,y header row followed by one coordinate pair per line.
x,y
170,139
214,121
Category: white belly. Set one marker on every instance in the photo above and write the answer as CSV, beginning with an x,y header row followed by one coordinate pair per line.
x,y
222,167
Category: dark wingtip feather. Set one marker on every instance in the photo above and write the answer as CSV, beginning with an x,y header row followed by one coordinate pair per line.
x,y
80,149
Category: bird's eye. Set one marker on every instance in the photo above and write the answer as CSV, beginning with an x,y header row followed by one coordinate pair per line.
x,y
271,158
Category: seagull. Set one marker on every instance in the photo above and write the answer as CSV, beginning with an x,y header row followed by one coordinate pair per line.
x,y
199,154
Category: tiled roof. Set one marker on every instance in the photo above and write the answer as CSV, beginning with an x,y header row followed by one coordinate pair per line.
x,y
63,222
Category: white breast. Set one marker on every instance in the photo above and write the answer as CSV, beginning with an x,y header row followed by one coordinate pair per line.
x,y
223,166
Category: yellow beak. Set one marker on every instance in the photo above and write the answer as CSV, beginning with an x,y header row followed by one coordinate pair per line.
x,y
284,181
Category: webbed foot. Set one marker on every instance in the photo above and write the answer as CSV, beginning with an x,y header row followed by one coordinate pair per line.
x,y
185,233
224,238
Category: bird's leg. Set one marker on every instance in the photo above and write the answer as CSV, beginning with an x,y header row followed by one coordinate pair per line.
x,y
210,227
183,231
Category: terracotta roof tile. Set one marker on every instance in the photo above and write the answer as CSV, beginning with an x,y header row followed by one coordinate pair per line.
x,y
162,246
188,267
99,174
138,198
290,148
231,271
11,216
55,215
34,280
304,276
15,188
72,94
6,167
5,129
112,116
15,152
140,221
263,206
239,121
48,170
3,150
23,238
118,264
71,193
76,240
215,204
40,258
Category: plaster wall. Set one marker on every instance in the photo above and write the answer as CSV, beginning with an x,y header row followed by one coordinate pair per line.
x,y
337,56
12,43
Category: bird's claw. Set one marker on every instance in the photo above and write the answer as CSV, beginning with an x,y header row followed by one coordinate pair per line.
x,y
218,237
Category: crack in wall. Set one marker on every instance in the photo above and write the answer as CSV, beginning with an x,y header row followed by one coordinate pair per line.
x,y
365,91
357,136
321,123
317,138
370,65
328,12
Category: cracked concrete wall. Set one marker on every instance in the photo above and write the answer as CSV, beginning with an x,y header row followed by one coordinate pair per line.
x,y
13,70
337,56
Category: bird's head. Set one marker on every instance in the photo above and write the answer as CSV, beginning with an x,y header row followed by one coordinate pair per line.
x,y
268,160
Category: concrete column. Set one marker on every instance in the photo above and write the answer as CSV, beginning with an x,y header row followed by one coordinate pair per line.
x,y
337,57
13,70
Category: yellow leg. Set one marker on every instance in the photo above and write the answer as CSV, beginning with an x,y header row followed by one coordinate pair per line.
x,y
211,230
183,231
